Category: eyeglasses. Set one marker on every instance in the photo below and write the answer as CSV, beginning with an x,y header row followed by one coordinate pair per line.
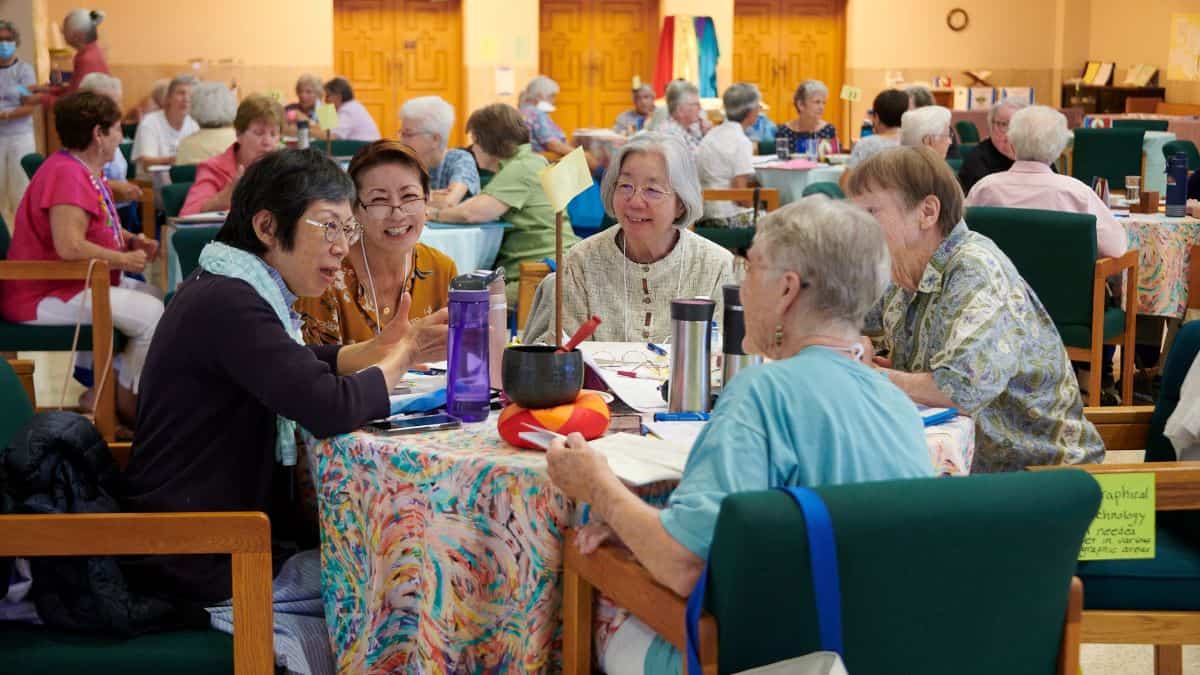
x,y
652,194
383,210
1001,126
351,230
411,133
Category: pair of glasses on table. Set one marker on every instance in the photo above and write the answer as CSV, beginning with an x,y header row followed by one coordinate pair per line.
x,y
633,360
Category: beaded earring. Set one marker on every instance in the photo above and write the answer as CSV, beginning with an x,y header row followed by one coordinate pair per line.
x,y
779,335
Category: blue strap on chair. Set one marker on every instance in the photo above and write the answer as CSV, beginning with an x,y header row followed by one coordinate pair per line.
x,y
822,551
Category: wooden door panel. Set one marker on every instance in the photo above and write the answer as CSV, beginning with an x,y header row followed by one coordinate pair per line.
x,y
812,41
756,54
364,42
429,56
563,56
625,38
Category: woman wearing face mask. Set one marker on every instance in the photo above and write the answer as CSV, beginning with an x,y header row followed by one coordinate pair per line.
x,y
537,102
257,125
393,190
16,121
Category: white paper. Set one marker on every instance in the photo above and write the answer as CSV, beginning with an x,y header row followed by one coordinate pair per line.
x,y
639,460
679,433
640,393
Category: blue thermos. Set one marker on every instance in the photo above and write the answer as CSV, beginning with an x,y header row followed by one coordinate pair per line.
x,y
1177,185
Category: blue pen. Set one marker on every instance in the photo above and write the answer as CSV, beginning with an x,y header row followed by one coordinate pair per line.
x,y
656,349
681,417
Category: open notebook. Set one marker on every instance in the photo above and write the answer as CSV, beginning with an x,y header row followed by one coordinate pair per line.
x,y
636,460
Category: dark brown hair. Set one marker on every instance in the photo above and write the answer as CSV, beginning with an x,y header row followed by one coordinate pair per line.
x,y
387,151
77,114
257,107
915,173
499,129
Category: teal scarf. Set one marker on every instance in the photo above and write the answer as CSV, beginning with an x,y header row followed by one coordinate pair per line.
x,y
218,258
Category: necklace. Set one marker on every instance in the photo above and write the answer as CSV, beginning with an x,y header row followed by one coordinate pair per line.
x,y
408,267
105,200
855,350
625,262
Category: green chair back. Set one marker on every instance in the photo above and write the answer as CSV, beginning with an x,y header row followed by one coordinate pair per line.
x,y
127,150
1111,153
183,173
900,565
955,163
1186,147
15,403
766,146
485,177
1144,125
129,130
965,150
173,196
967,131
827,188
189,241
31,163
1056,254
341,147
5,239
732,238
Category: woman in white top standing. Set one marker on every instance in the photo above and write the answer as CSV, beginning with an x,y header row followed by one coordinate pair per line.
x,y
725,156
159,132
16,121
628,275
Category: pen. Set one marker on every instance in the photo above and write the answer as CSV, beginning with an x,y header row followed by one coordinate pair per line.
x,y
414,371
626,373
681,417
656,349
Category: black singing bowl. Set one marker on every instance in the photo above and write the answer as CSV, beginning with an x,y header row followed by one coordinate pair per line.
x,y
534,376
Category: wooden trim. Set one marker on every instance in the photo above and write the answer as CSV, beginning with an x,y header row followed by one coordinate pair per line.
x,y
1140,627
1168,660
1121,427
529,275
768,197
577,620
253,613
1123,414
134,534
1068,651
1194,279
1176,484
24,371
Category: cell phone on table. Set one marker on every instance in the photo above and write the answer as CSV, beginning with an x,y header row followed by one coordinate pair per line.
x,y
414,425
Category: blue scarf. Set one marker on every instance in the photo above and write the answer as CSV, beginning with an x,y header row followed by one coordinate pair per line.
x,y
225,260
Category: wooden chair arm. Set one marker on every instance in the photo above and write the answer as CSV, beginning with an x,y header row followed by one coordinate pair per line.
x,y
614,572
1121,414
245,536
53,269
1121,427
1176,484
1107,267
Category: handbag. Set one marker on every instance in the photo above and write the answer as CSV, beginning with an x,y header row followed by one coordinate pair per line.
x,y
827,590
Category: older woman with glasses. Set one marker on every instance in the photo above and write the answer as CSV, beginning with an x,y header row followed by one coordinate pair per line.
x,y
258,125
628,275
387,262
426,122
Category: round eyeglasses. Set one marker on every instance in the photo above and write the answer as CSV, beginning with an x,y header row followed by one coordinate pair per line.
x,y
383,210
351,230
652,194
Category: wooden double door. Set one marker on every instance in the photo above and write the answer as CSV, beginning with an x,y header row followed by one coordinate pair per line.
x,y
593,49
777,44
394,50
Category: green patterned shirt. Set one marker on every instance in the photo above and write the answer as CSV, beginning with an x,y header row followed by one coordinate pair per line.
x,y
992,348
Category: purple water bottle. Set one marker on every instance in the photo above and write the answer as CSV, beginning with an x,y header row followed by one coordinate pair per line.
x,y
468,387
1177,179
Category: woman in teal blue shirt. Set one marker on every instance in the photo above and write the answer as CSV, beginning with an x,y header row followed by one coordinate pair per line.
x,y
815,415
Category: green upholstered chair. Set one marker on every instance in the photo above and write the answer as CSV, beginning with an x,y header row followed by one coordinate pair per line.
x,y
31,163
1056,254
737,238
1144,125
126,148
340,147
1111,153
955,164
1152,601
173,197
188,242
732,238
967,131
16,337
766,146
485,177
129,130
827,188
965,150
183,173
904,608
1186,147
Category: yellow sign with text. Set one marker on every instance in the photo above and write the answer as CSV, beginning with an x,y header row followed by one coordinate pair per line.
x,y
1124,527
850,93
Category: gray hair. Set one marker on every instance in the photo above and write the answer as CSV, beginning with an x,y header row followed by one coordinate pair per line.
x,y
681,173
1010,103
102,83
312,82
919,123
214,105
158,93
740,100
640,88
1038,134
433,114
12,28
184,80
84,21
676,91
919,96
809,88
837,248
538,88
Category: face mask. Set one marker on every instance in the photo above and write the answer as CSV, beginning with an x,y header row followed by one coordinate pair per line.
x,y
546,106
7,49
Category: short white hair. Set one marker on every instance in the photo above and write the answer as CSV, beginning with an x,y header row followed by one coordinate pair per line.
x,y
214,105
84,21
918,124
538,88
102,83
809,88
837,248
740,100
1013,104
681,173
185,80
676,90
1038,134
432,114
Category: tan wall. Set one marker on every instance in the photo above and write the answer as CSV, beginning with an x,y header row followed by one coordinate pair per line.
x,y
1129,36
497,33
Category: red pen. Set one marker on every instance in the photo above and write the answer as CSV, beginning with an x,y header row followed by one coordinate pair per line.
x,y
626,373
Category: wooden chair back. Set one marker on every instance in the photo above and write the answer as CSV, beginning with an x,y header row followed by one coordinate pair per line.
x,y
1137,104
768,198
1164,108
531,274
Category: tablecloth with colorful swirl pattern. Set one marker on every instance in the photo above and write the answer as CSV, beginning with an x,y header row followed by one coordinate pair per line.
x,y
442,552
1164,260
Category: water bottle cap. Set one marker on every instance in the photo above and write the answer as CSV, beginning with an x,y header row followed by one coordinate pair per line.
x,y
469,295
693,309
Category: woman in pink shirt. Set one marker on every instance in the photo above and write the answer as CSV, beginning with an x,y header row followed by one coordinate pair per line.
x,y
68,213
258,125
79,30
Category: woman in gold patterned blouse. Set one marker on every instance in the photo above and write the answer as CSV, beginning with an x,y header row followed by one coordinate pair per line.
x,y
393,191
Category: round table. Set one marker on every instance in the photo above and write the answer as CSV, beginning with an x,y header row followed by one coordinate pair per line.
x,y
471,247
1164,261
791,182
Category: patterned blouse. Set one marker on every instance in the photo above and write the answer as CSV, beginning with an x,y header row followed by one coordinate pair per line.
x,y
345,313
828,132
458,166
992,348
691,136
542,129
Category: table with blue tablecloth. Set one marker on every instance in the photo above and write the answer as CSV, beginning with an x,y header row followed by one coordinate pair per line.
x,y
791,182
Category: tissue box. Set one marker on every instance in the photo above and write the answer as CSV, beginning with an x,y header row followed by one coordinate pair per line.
x,y
974,98
1023,95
